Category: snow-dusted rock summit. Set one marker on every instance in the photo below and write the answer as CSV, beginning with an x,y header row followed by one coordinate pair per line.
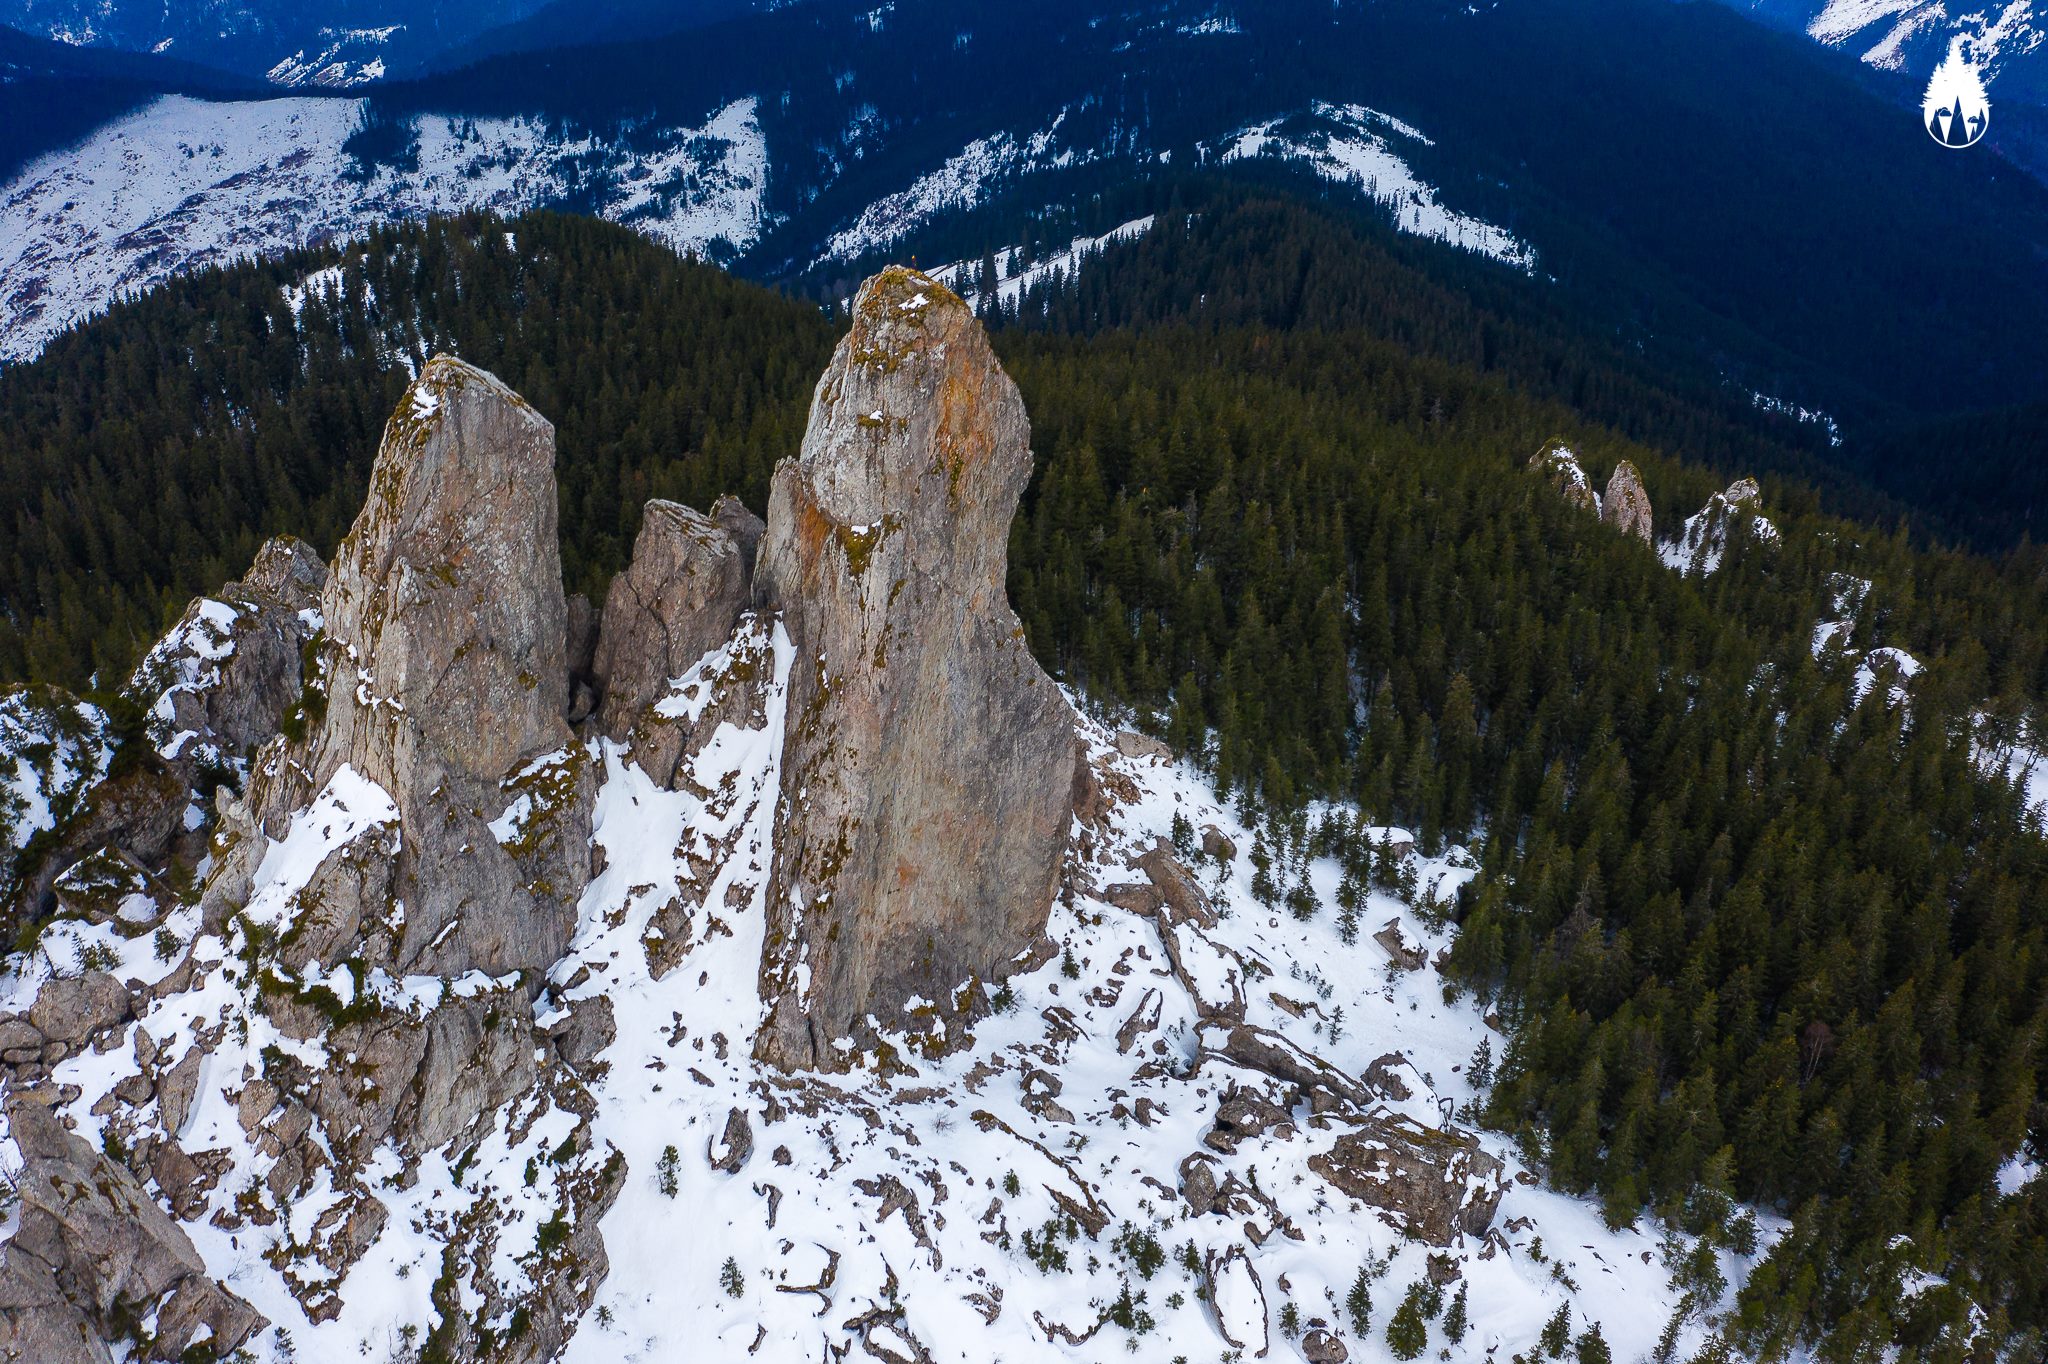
x,y
933,756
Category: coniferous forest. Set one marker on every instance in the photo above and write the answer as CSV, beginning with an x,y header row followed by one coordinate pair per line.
x,y
1760,933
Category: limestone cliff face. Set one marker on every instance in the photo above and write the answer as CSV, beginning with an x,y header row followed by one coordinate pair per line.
x,y
928,764
446,683
1626,505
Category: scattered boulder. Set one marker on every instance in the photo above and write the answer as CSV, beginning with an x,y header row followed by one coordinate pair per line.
x,y
1134,897
1132,744
1198,1183
1384,1075
1184,900
1246,1114
1404,954
736,1142
1256,1048
1216,844
934,754
1626,504
1320,1345
676,601
73,1009
585,1029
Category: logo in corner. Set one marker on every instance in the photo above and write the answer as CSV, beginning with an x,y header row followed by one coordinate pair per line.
x,y
1955,109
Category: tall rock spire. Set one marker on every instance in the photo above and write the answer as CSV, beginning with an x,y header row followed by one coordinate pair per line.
x,y
928,764
1626,505
446,679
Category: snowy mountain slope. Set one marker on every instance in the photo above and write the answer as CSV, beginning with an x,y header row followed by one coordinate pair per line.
x,y
1348,144
1014,275
1912,35
1017,1199
186,183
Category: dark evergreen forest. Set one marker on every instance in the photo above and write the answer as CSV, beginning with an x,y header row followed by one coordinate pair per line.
x,y
1755,938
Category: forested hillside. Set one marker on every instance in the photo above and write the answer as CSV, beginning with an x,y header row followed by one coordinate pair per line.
x,y
1762,930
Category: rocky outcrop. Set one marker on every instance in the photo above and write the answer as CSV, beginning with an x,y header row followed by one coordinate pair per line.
x,y
214,688
1557,465
1700,547
675,602
219,684
1626,504
1256,1048
94,1259
136,813
445,659
1438,1182
928,764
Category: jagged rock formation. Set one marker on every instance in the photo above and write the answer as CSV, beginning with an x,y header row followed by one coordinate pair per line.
x,y
1626,504
96,1260
215,687
855,799
675,603
1558,466
231,667
1704,542
929,761
404,870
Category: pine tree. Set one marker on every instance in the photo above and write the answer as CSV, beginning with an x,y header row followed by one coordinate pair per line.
x,y
1557,1332
1455,1320
1358,1303
1407,1332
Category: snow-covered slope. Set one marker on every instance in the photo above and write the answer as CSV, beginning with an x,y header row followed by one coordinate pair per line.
x,y
965,180
1890,34
1014,274
1024,1197
185,183
1351,144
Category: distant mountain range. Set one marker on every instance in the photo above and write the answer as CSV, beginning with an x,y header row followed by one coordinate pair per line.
x,y
1736,201
339,44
